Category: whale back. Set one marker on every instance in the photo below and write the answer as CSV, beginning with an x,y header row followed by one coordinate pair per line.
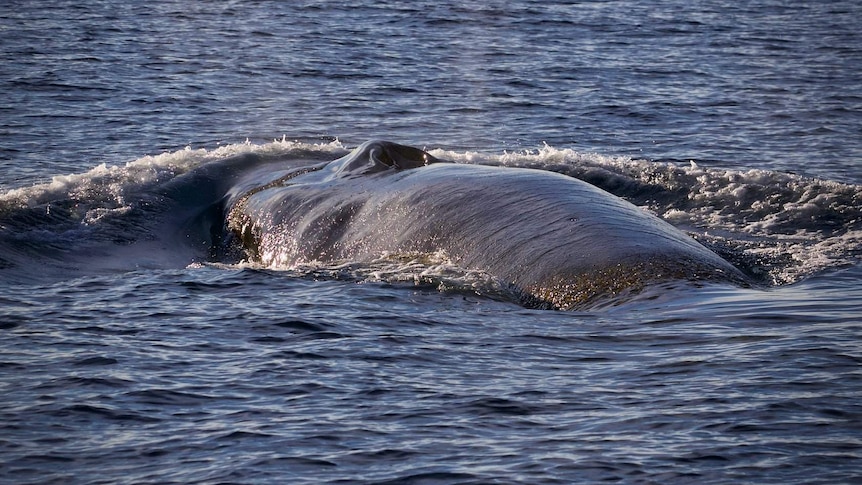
x,y
559,241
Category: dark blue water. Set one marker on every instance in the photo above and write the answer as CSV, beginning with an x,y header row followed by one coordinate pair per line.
x,y
123,359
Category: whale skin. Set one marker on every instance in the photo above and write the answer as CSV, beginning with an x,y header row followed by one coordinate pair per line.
x,y
558,241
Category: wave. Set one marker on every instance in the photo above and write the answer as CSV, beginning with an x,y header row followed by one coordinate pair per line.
x,y
124,217
155,212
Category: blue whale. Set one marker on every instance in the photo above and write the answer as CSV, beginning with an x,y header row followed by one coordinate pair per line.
x,y
558,241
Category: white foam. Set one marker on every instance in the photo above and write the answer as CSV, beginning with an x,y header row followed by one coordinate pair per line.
x,y
113,183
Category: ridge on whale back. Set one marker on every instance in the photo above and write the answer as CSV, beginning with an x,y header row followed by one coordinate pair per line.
x,y
560,242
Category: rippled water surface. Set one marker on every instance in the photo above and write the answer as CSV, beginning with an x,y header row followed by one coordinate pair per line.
x,y
747,84
258,377
739,123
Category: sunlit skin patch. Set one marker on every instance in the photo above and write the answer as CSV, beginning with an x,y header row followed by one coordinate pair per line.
x,y
586,290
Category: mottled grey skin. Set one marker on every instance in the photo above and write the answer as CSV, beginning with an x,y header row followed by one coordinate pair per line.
x,y
559,241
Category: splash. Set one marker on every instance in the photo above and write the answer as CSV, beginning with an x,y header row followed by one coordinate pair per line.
x,y
118,183
778,227
90,220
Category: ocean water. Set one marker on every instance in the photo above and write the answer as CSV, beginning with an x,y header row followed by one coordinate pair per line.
x,y
132,355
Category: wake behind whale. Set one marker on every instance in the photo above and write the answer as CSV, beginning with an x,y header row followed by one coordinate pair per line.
x,y
547,239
